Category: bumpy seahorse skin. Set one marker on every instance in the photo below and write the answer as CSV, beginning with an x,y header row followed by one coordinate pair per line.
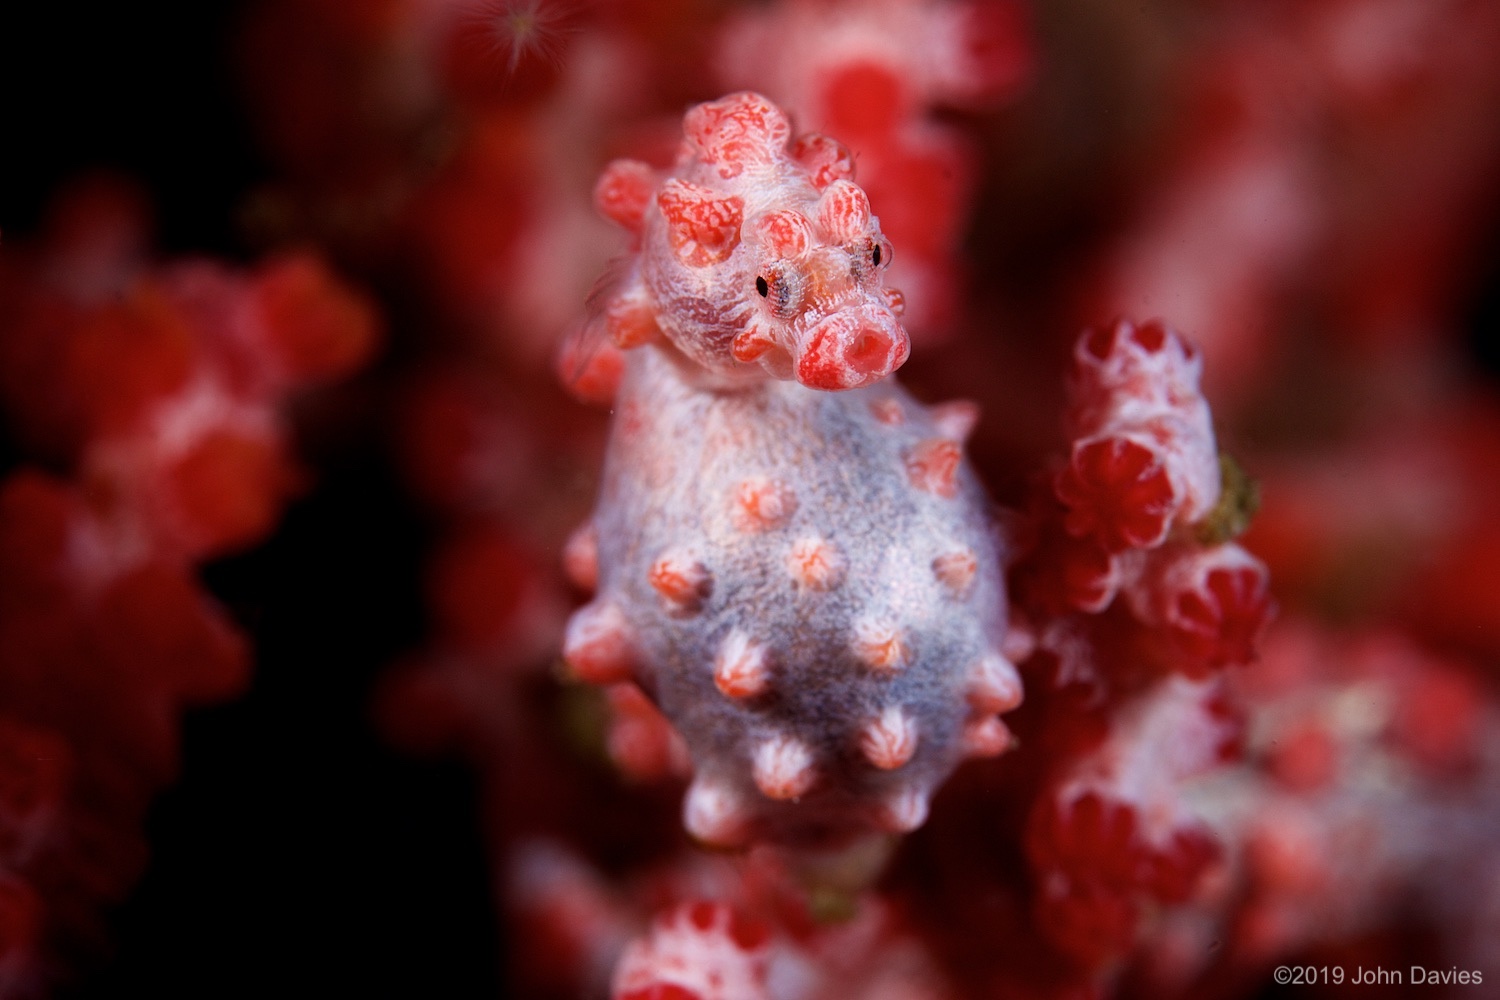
x,y
755,248
807,583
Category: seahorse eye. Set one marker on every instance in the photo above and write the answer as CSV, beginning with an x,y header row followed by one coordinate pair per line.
x,y
765,289
875,255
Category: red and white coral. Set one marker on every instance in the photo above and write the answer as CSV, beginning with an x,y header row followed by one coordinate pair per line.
x,y
700,951
1143,456
160,391
1113,833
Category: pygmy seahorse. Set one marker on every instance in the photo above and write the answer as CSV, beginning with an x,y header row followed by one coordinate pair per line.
x,y
807,583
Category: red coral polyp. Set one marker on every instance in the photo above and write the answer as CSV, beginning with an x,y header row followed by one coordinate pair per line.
x,y
1097,866
1089,576
1119,491
477,585
703,950
155,627
1090,922
315,325
1173,873
1088,837
661,991
227,492
864,98
125,358
1218,622
1094,838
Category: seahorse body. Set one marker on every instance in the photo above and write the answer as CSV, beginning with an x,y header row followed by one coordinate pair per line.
x,y
807,583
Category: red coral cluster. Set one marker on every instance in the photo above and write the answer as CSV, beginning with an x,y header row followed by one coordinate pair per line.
x,y
1141,508
151,397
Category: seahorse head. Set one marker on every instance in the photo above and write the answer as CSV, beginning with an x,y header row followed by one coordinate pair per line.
x,y
758,252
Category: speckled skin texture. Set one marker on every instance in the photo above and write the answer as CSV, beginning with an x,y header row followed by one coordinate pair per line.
x,y
807,583
758,254
678,459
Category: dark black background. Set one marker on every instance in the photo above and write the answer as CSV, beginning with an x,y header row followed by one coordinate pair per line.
x,y
297,856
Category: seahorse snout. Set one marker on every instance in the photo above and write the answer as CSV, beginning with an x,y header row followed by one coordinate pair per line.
x,y
851,348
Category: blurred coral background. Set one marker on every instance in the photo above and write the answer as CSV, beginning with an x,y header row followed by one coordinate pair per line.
x,y
290,464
